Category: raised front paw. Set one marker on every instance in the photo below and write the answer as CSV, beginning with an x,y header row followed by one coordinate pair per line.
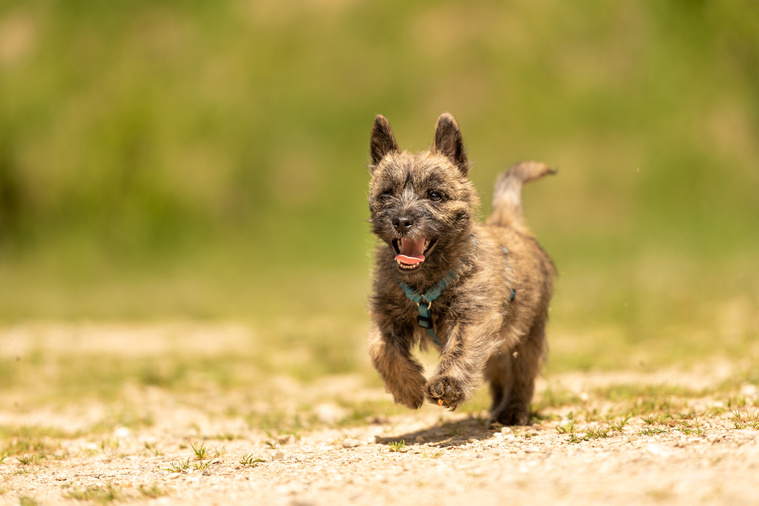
x,y
445,391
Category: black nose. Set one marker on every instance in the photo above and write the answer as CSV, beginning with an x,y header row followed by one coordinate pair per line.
x,y
403,223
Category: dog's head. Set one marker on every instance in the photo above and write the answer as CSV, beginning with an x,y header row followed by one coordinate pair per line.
x,y
422,205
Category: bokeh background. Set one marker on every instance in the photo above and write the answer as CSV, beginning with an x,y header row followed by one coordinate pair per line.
x,y
206,161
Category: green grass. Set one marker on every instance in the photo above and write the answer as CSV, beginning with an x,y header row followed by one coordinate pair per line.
x,y
199,450
397,446
164,185
250,460
96,494
152,491
745,420
179,467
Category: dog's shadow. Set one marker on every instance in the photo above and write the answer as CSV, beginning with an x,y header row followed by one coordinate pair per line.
x,y
445,434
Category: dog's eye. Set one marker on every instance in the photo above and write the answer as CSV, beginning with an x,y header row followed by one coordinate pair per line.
x,y
435,196
386,194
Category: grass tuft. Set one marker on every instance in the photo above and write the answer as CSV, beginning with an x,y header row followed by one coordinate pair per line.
x,y
250,460
396,446
179,467
152,491
99,495
199,450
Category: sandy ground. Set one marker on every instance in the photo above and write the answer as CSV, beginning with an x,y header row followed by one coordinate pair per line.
x,y
418,458
440,464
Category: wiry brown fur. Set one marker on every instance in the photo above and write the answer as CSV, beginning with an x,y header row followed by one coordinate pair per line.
x,y
480,327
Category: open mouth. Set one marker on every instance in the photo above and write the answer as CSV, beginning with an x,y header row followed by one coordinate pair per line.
x,y
410,253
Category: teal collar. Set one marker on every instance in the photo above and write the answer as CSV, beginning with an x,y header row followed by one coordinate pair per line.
x,y
424,301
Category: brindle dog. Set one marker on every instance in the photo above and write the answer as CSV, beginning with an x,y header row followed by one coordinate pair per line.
x,y
478,292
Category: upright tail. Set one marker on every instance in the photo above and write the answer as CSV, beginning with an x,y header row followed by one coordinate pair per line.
x,y
507,196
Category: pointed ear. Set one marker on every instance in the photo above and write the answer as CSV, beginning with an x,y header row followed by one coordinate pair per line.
x,y
448,141
382,141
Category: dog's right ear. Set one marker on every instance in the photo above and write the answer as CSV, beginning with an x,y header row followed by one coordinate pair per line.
x,y
383,141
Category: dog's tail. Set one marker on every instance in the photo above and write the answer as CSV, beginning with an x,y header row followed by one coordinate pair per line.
x,y
507,197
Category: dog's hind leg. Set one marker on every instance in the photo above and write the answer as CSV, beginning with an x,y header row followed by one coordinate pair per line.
x,y
525,361
498,375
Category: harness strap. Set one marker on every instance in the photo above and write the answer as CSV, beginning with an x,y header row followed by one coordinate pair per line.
x,y
424,301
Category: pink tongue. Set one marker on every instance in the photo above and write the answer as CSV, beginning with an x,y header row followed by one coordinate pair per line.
x,y
412,252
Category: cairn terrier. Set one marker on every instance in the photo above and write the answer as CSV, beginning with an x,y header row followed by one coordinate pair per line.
x,y
477,292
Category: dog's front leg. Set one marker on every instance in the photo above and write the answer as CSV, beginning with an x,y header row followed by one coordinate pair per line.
x,y
390,350
464,355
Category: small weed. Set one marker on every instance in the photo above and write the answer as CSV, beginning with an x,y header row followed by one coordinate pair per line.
x,y
202,465
658,419
108,447
653,431
745,420
28,459
26,500
3,456
151,491
597,433
592,415
199,450
250,460
397,446
100,495
179,467
566,428
156,452
713,411
619,423
589,433
691,431
737,402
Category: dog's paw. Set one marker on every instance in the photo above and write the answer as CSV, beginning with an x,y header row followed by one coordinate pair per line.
x,y
445,391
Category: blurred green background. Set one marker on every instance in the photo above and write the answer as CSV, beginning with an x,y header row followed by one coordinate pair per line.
x,y
206,160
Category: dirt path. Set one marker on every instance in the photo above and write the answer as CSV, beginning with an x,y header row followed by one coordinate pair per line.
x,y
195,450
424,458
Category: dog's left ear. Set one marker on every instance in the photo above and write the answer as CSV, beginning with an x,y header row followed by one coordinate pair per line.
x,y
448,141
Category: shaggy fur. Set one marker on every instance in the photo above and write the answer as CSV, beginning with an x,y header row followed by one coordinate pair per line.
x,y
481,327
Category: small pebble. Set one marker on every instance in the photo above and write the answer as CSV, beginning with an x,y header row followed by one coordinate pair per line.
x,y
122,433
286,439
750,391
278,456
351,443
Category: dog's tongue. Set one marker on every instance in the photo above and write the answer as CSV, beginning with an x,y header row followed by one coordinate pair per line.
x,y
412,252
